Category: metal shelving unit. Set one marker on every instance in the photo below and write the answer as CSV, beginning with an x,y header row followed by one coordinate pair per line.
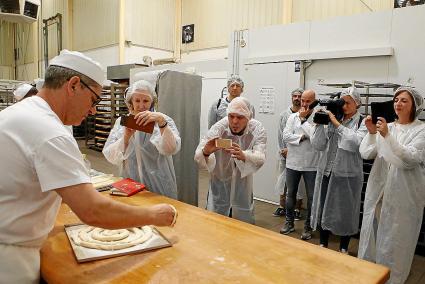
x,y
6,92
89,131
108,110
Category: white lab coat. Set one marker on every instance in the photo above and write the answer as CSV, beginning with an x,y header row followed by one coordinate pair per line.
x,y
301,154
339,209
397,183
35,161
281,179
19,264
230,184
148,157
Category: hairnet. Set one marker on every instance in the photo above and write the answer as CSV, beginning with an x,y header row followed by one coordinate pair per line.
x,y
141,85
235,79
240,106
352,92
418,100
297,91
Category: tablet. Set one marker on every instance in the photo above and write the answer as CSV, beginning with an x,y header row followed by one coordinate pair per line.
x,y
383,109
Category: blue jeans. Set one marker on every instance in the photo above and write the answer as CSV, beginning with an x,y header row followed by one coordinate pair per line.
x,y
293,178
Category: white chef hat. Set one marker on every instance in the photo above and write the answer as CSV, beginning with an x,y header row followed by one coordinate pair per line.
x,y
39,82
22,91
240,106
77,61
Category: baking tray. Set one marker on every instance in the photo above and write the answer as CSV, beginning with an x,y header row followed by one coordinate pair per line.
x,y
83,254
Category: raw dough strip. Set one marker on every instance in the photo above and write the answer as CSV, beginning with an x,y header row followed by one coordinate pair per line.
x,y
109,235
84,238
175,215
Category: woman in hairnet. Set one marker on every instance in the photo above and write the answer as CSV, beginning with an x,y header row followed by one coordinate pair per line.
x,y
339,179
231,169
144,157
395,193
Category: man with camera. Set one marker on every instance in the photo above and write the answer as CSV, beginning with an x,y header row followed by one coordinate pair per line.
x,y
336,201
301,161
232,151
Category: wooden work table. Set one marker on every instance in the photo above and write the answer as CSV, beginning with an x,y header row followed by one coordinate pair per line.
x,y
207,248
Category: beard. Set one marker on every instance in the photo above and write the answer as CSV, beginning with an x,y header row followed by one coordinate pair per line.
x,y
237,133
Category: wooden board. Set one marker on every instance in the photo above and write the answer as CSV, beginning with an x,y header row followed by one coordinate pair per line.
x,y
207,248
83,254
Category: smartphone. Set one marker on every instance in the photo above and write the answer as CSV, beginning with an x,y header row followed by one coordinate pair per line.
x,y
383,109
130,122
223,143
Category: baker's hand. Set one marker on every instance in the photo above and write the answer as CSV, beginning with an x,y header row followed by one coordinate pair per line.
x,y
284,152
145,117
236,152
210,147
163,215
382,126
369,125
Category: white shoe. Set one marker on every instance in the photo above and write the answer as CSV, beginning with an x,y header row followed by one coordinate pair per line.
x,y
344,251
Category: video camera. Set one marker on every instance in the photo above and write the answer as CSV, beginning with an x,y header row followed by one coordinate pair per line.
x,y
332,105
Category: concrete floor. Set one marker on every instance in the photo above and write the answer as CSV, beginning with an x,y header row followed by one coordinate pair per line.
x,y
263,215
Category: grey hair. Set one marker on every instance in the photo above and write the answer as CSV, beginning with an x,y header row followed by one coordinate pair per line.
x,y
297,91
140,85
56,76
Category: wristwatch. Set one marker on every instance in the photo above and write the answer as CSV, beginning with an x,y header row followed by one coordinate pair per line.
x,y
203,153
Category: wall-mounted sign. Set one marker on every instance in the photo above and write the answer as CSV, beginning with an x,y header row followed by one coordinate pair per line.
x,y
297,66
267,95
188,33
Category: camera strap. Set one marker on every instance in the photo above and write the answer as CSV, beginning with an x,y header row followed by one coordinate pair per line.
x,y
218,103
360,121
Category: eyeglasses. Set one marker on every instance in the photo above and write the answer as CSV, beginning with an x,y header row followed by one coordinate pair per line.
x,y
98,99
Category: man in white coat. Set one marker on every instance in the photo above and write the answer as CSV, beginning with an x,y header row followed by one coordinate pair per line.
x,y
280,186
301,161
41,166
232,168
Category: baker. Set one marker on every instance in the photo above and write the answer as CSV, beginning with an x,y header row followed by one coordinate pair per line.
x,y
40,165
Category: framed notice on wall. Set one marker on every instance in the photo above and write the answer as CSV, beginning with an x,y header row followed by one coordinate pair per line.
x,y
267,100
